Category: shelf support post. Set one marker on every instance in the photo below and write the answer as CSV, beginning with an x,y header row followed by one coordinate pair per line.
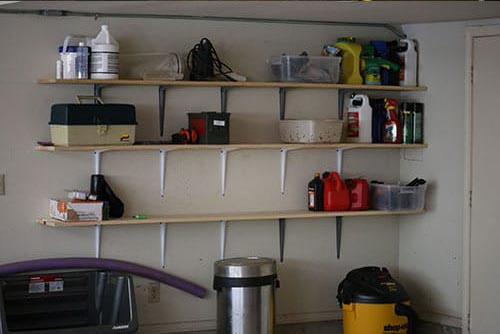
x,y
340,100
223,165
98,241
282,223
223,99
223,228
163,164
283,152
282,94
338,220
163,243
98,91
97,161
162,92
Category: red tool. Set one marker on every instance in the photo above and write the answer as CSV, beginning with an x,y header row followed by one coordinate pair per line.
x,y
185,136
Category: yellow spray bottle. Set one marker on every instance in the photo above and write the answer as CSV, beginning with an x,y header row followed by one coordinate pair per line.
x,y
351,52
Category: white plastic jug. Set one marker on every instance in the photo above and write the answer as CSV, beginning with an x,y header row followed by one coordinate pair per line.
x,y
105,56
359,120
408,56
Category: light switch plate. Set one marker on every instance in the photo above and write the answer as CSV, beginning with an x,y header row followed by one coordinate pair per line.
x,y
2,184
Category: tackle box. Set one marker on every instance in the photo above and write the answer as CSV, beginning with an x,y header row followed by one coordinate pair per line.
x,y
212,127
394,197
92,124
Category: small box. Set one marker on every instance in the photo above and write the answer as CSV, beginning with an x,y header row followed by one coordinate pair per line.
x,y
306,68
212,127
75,210
92,124
393,197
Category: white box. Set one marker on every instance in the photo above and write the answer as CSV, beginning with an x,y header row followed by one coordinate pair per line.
x,y
68,210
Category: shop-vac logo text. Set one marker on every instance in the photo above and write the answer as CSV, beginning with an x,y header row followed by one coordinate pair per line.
x,y
394,328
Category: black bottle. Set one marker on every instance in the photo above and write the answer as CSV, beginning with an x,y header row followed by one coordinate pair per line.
x,y
315,194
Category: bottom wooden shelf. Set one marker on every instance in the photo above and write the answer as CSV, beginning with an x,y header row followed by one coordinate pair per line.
x,y
205,218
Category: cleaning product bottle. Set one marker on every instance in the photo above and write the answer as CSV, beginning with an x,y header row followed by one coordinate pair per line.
x,y
315,194
418,123
359,119
105,56
392,128
335,193
351,52
408,59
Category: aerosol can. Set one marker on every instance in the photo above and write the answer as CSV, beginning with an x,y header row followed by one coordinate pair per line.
x,y
359,119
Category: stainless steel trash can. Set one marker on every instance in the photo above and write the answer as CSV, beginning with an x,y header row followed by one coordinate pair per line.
x,y
245,295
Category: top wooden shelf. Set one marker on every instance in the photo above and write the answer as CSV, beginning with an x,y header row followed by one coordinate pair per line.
x,y
219,146
131,82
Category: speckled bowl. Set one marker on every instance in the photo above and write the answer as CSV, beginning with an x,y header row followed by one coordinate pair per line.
x,y
311,131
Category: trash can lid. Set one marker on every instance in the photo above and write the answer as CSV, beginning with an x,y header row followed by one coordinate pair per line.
x,y
243,267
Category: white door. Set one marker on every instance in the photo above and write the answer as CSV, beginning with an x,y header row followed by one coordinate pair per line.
x,y
485,186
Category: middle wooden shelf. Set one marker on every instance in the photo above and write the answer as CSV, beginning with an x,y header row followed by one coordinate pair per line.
x,y
217,217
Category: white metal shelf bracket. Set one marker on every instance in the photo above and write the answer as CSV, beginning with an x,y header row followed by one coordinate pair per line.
x,y
223,164
223,228
98,241
163,165
97,161
283,152
163,243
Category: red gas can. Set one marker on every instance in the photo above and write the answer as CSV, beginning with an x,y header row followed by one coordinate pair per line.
x,y
358,190
335,193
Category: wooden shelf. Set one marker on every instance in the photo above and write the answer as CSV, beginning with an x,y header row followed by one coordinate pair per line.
x,y
229,147
131,82
205,218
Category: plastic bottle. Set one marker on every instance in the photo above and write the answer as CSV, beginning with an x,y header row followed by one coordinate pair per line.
x,y
359,194
351,52
406,111
105,56
408,57
418,123
335,193
359,119
315,194
82,61
392,129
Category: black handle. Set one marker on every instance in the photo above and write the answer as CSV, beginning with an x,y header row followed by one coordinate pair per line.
x,y
408,312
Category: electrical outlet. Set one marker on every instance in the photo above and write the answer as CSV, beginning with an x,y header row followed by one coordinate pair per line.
x,y
2,184
154,292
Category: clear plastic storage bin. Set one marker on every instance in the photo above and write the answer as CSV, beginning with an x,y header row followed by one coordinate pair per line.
x,y
395,197
306,68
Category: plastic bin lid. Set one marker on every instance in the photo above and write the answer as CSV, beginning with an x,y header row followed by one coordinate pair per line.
x,y
245,267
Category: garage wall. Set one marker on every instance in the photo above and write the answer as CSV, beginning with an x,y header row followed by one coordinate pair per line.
x,y
310,273
430,248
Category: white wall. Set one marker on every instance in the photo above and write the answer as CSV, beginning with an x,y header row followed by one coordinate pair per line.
x,y
430,246
310,273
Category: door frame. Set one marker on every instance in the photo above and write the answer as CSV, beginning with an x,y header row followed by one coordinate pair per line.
x,y
470,34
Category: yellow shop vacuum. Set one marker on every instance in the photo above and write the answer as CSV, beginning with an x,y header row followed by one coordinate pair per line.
x,y
374,303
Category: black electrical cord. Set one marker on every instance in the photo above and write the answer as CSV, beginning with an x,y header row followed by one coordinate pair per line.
x,y
204,63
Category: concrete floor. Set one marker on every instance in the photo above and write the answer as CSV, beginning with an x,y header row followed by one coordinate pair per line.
x,y
335,327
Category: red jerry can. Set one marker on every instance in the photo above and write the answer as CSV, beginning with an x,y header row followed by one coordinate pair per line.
x,y
335,193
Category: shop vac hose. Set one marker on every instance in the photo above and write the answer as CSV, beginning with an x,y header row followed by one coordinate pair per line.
x,y
104,264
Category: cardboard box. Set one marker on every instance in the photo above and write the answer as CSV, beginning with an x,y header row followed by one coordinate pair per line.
x,y
75,210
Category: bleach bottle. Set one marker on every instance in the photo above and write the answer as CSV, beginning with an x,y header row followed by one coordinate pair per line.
x,y
408,57
359,120
105,56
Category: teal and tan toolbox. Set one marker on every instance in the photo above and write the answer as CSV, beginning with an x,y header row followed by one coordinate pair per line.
x,y
92,124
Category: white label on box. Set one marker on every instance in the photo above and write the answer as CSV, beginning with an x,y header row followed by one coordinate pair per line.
x,y
219,123
36,287
56,286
